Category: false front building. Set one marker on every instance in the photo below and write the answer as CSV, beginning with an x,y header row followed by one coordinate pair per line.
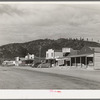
x,y
87,57
52,55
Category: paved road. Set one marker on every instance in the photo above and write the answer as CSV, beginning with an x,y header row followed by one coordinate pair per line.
x,y
16,78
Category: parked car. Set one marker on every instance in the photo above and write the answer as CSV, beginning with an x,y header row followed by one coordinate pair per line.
x,y
8,63
90,63
62,65
44,65
35,65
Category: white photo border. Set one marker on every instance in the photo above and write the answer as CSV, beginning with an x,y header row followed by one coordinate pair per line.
x,y
48,94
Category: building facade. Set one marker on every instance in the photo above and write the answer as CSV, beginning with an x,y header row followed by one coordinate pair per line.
x,y
52,55
87,57
27,60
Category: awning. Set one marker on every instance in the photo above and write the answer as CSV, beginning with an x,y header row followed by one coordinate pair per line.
x,y
82,55
64,58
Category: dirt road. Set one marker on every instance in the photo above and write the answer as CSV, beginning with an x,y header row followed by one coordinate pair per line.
x,y
17,78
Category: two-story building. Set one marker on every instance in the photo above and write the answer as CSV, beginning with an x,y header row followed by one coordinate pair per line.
x,y
52,55
87,57
29,57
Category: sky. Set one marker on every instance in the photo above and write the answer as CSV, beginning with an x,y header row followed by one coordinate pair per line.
x,y
25,22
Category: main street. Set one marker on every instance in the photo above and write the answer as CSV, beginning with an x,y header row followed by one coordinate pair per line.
x,y
21,78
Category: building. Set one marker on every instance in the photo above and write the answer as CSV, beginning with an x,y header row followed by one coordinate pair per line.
x,y
27,60
8,63
87,57
29,57
52,55
82,58
66,53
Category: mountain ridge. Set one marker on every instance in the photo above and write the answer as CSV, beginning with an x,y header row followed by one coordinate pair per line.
x,y
12,50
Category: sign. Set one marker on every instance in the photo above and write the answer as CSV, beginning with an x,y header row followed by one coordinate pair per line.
x,y
66,50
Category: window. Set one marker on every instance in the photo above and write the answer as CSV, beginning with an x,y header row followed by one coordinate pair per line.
x,y
47,55
51,54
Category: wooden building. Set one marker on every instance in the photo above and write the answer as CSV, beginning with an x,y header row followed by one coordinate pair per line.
x,y
52,55
87,57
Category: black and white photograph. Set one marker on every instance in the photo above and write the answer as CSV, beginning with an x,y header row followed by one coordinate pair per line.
x,y
48,46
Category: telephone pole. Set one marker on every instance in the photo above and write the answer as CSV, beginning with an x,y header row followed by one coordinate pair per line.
x,y
40,53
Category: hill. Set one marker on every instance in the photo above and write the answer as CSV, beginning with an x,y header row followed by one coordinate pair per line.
x,y
10,51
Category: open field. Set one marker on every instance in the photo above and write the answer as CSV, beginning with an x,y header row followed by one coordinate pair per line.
x,y
48,78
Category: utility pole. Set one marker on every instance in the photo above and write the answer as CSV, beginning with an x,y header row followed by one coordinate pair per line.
x,y
40,53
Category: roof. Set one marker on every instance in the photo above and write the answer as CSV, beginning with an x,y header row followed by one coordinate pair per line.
x,y
63,58
96,49
58,50
68,57
81,55
39,57
22,58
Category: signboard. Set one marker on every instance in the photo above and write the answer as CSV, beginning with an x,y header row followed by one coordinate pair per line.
x,y
65,50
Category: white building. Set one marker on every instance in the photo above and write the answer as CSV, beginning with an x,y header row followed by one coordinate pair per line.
x,y
8,63
50,54
29,57
66,50
53,54
18,61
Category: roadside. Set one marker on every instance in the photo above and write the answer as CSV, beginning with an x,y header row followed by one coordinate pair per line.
x,y
93,75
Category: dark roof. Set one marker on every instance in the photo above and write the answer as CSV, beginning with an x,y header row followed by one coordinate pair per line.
x,y
58,50
63,58
95,49
81,55
22,58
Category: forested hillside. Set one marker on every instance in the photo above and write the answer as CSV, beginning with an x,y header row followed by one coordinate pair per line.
x,y
10,51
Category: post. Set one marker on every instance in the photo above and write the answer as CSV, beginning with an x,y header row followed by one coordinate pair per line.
x,y
70,62
49,63
86,61
93,59
75,61
80,62
40,53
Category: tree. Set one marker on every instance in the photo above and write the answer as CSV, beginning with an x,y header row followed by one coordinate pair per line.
x,y
80,38
87,39
76,39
